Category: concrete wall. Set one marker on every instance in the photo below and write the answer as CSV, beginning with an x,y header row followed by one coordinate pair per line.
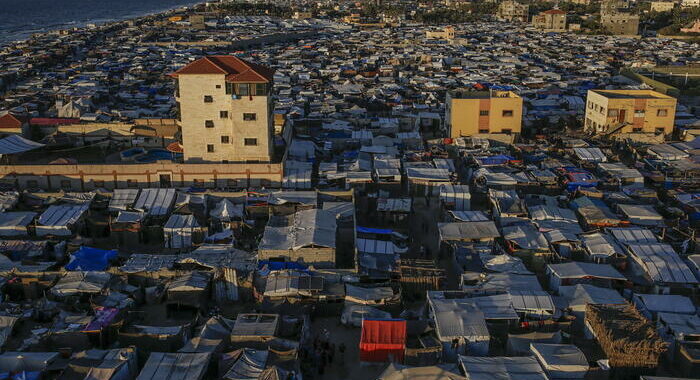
x,y
464,119
121,176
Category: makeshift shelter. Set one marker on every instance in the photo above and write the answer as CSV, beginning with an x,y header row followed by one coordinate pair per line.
x,y
455,197
560,361
244,364
629,340
602,249
460,323
254,327
175,366
15,223
292,283
353,314
123,199
60,220
660,263
307,235
190,289
369,296
581,295
154,338
484,231
155,202
507,203
182,231
575,272
534,304
501,368
641,215
418,276
435,372
519,344
650,305
226,214
78,283
90,259
383,340
14,144
28,362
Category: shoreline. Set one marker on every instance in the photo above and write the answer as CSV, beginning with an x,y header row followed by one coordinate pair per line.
x,y
78,26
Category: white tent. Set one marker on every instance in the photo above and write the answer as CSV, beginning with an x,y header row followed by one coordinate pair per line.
x,y
178,231
560,361
59,220
155,202
501,368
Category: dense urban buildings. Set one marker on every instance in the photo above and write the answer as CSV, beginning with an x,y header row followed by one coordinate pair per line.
x,y
352,190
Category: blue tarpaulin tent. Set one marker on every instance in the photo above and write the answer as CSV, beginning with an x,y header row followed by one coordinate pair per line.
x,y
369,230
90,259
495,160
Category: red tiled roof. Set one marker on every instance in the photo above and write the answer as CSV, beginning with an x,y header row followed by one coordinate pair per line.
x,y
235,69
554,12
8,121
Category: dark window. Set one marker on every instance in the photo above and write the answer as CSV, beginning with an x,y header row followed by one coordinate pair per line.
x,y
662,112
210,148
224,139
223,114
65,184
208,99
218,86
209,123
250,142
483,113
132,183
243,89
260,89
507,113
229,88
483,131
249,116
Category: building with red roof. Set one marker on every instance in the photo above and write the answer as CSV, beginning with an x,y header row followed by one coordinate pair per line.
x,y
11,124
225,110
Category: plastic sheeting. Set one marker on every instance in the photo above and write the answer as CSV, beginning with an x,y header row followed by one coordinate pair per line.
x,y
58,220
175,366
561,361
501,368
155,202
383,340
308,227
16,144
662,263
90,259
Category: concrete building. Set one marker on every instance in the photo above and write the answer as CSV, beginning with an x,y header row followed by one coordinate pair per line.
x,y
690,3
617,19
553,20
469,113
662,6
447,33
225,110
629,111
510,10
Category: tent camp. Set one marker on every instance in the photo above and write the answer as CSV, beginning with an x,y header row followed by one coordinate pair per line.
x,y
182,231
60,220
190,289
560,361
15,223
501,368
175,366
383,340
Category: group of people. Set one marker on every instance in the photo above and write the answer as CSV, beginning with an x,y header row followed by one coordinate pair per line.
x,y
323,352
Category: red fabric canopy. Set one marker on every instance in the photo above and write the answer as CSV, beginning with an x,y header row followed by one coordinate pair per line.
x,y
383,340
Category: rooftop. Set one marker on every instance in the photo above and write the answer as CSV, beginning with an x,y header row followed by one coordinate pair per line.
x,y
488,94
632,94
235,69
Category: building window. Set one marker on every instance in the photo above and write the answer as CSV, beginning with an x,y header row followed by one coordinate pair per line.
x,y
249,116
223,114
209,123
210,148
506,131
131,183
65,184
32,184
612,113
208,99
260,89
242,89
218,86
636,130
250,142
483,113
507,113
224,139
483,131
229,88
662,112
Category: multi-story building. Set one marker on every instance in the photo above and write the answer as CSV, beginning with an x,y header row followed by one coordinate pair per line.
x,y
553,20
225,109
469,113
662,6
629,111
617,19
447,33
510,10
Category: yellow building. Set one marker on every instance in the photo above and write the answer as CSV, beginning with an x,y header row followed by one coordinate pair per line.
x,y
629,111
553,20
662,6
225,110
469,113
447,33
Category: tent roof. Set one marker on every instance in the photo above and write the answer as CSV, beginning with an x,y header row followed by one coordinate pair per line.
x,y
502,368
576,269
468,230
175,366
17,144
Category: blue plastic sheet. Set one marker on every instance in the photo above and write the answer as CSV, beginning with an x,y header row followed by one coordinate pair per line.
x,y
91,259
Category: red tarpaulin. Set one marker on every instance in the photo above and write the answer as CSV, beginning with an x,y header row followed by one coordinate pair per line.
x,y
383,340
